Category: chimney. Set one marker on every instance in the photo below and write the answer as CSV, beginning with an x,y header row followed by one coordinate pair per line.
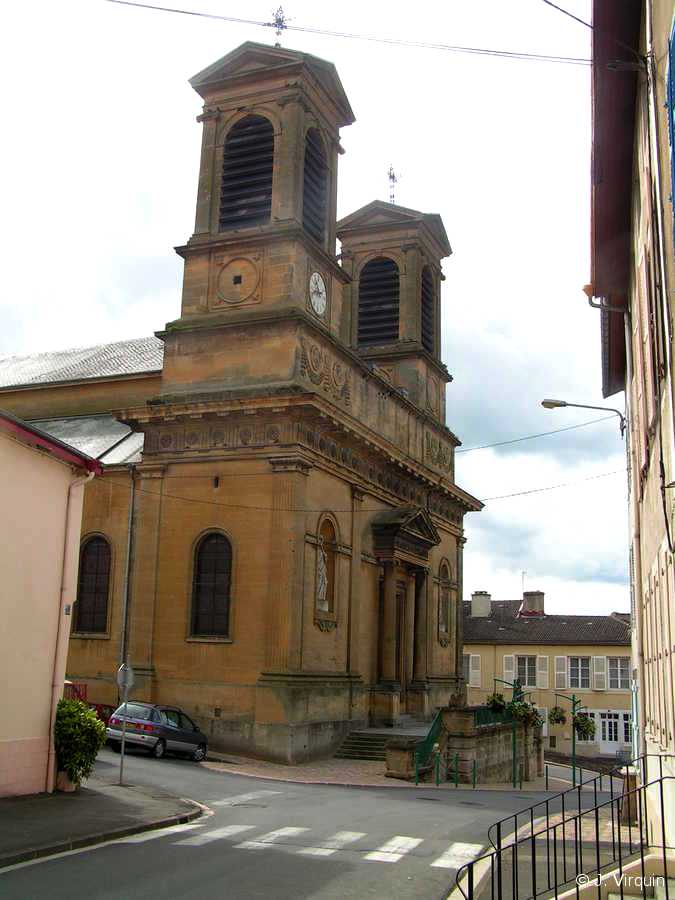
x,y
480,604
533,602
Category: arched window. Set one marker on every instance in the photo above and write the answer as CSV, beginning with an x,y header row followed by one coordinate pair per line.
x,y
248,162
326,557
315,186
378,302
427,310
444,600
92,587
211,587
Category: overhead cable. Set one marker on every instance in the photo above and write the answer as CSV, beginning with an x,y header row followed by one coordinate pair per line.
x,y
425,45
530,437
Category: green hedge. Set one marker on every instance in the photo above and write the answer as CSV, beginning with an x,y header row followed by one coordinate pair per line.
x,y
78,736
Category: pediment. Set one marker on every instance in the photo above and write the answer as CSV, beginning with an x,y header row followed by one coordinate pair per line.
x,y
252,57
379,214
408,520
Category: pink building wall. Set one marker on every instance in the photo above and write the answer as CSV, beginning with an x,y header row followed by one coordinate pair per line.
x,y
39,555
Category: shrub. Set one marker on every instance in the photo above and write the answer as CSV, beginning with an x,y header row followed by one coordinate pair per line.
x,y
584,726
557,715
496,702
78,736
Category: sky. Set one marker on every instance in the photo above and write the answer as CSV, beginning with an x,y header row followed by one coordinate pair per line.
x,y
98,184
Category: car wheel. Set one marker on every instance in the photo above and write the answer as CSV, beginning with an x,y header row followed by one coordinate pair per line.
x,y
159,749
116,746
199,754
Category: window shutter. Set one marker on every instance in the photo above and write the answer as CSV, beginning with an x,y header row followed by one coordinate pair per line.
x,y
509,668
542,672
474,671
599,673
561,672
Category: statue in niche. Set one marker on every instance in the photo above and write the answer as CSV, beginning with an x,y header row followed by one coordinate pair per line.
x,y
321,578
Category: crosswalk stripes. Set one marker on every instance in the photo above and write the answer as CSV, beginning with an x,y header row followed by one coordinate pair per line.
x,y
391,851
337,842
457,855
159,832
394,849
215,834
271,838
242,799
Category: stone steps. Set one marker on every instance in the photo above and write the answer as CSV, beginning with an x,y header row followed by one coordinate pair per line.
x,y
369,744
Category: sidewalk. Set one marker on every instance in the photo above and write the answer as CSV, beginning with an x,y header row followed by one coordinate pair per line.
x,y
42,824
350,772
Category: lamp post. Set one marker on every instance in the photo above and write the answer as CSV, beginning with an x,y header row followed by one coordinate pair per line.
x,y
517,697
555,404
576,706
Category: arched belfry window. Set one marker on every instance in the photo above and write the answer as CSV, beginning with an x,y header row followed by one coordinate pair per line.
x,y
378,302
427,305
211,587
248,162
92,586
444,600
326,558
315,187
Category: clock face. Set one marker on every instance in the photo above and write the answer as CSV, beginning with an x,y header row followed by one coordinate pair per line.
x,y
317,293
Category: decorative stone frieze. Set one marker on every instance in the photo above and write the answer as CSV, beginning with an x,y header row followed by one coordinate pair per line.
x,y
325,370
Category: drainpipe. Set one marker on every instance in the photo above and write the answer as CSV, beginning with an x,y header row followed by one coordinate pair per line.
x,y
71,523
124,640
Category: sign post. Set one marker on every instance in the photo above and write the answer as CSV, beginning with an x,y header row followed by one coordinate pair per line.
x,y
125,680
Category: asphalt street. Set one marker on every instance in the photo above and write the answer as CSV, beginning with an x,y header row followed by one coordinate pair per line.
x,y
275,840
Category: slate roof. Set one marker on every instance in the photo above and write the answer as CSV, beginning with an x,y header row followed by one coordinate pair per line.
x,y
102,437
136,356
502,626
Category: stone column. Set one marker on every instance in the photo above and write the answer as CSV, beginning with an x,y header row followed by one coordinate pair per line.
x,y
409,630
459,623
388,635
288,162
420,667
207,175
355,585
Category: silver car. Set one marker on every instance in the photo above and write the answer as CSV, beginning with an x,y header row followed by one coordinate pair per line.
x,y
158,729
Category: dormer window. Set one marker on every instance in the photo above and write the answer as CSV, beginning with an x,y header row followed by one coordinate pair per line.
x,y
378,302
315,187
248,163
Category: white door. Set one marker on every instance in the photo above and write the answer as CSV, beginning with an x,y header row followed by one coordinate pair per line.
x,y
608,737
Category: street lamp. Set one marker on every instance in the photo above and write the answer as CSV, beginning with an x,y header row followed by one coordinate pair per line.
x,y
554,404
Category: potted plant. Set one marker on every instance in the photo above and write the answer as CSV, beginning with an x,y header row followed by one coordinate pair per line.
x,y
557,715
496,702
584,727
78,736
526,713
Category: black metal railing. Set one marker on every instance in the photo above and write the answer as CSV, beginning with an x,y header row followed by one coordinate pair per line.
x,y
571,798
602,839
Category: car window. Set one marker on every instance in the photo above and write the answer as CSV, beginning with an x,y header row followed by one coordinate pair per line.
x,y
172,717
186,722
157,715
134,711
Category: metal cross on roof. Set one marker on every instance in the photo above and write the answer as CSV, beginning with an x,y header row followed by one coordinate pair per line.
x,y
393,180
279,23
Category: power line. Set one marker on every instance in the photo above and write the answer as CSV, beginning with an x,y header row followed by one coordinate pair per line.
x,y
427,45
555,487
303,509
566,12
530,437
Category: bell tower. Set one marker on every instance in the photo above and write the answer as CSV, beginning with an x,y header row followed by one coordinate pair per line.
x,y
393,256
264,238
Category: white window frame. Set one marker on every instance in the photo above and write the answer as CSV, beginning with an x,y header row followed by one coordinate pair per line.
x,y
579,686
530,670
622,684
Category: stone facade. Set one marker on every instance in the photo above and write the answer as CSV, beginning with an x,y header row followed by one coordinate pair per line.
x,y
271,427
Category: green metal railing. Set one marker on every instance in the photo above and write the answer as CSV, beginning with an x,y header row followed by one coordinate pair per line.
x,y
483,715
425,748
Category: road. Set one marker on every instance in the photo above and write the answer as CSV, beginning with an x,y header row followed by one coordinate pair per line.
x,y
275,840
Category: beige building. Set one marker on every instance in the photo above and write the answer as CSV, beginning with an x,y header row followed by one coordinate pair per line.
x,y
632,281
277,538
41,491
587,656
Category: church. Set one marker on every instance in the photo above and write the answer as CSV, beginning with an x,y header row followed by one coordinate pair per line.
x,y
276,542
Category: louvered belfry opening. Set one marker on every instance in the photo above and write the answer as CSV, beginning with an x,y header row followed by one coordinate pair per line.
x,y
378,302
427,310
248,161
315,187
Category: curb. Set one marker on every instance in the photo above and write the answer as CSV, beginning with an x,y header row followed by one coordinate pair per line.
x,y
91,840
